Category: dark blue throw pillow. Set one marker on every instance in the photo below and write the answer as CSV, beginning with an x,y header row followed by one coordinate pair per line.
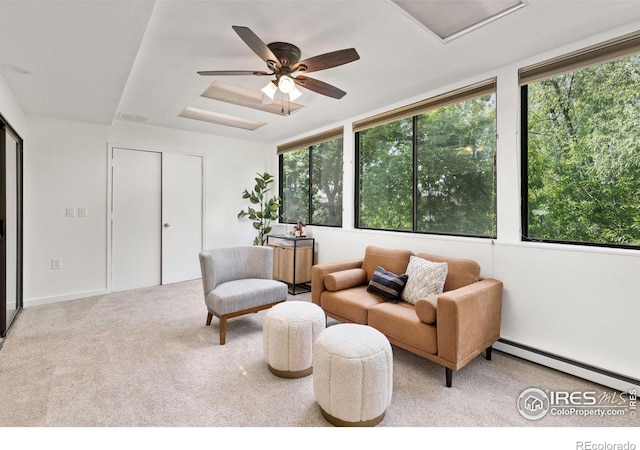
x,y
387,285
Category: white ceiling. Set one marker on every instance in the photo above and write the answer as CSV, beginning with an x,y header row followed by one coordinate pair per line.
x,y
92,60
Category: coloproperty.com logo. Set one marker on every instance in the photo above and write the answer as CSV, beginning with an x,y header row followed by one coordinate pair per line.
x,y
534,403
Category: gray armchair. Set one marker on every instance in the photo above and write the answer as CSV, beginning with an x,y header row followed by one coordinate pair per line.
x,y
238,281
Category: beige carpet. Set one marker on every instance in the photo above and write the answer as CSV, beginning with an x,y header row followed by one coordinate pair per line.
x,y
145,358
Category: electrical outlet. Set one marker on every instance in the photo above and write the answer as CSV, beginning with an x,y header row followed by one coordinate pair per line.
x,y
56,263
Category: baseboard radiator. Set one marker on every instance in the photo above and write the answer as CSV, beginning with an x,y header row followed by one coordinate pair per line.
x,y
606,378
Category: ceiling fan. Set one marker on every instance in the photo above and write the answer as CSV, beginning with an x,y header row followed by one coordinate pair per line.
x,y
283,61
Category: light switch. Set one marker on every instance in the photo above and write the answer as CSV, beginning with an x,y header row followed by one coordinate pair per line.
x,y
71,211
56,263
82,211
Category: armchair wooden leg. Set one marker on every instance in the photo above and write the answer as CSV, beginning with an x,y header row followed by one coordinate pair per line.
x,y
209,317
449,375
223,330
487,353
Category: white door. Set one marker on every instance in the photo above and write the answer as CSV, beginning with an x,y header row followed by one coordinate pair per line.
x,y
136,219
181,217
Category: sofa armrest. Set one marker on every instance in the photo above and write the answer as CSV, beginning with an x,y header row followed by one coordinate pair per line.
x,y
468,320
319,271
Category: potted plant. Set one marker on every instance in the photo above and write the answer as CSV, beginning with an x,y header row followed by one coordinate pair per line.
x,y
266,209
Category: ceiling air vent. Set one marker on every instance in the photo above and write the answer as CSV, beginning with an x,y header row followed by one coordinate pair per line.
x,y
133,118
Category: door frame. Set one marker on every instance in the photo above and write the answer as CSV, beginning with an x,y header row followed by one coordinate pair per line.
x,y
109,242
5,128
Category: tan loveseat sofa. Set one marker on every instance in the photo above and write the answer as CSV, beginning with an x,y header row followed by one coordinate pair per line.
x,y
450,329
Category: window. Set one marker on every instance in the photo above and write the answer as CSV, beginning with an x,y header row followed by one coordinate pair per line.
x,y
580,148
430,167
386,176
311,180
294,176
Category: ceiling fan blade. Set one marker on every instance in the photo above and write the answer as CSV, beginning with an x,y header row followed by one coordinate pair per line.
x,y
233,72
327,60
256,44
319,86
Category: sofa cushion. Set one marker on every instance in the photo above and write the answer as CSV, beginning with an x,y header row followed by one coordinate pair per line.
x,y
399,321
394,261
462,272
345,279
351,304
387,285
427,309
425,278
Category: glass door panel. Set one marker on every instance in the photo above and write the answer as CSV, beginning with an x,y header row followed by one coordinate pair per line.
x,y
10,228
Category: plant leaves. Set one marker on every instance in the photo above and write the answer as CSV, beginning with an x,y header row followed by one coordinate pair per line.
x,y
267,210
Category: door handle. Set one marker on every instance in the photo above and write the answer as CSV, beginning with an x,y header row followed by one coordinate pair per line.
x,y
167,225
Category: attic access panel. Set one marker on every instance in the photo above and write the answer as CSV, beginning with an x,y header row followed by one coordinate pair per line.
x,y
451,19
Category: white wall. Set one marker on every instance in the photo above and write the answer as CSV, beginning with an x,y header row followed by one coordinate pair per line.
x,y
579,303
11,111
66,165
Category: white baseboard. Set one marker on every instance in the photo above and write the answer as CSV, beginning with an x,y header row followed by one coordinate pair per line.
x,y
62,298
619,382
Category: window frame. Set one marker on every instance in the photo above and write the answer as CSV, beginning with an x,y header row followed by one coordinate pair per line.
x,y
413,111
308,143
599,54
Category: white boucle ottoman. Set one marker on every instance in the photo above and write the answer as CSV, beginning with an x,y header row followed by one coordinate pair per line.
x,y
289,330
353,374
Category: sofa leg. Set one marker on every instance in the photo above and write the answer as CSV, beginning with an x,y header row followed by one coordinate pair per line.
x,y
449,375
487,353
209,317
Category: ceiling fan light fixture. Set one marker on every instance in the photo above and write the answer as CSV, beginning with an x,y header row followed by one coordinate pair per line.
x,y
286,84
294,94
270,90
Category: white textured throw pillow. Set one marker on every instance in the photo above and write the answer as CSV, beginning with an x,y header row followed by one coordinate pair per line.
x,y
425,278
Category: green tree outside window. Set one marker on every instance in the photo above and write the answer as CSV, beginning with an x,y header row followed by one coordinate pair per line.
x,y
312,184
451,150
583,155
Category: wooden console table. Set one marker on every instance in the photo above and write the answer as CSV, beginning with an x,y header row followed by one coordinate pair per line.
x,y
292,261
